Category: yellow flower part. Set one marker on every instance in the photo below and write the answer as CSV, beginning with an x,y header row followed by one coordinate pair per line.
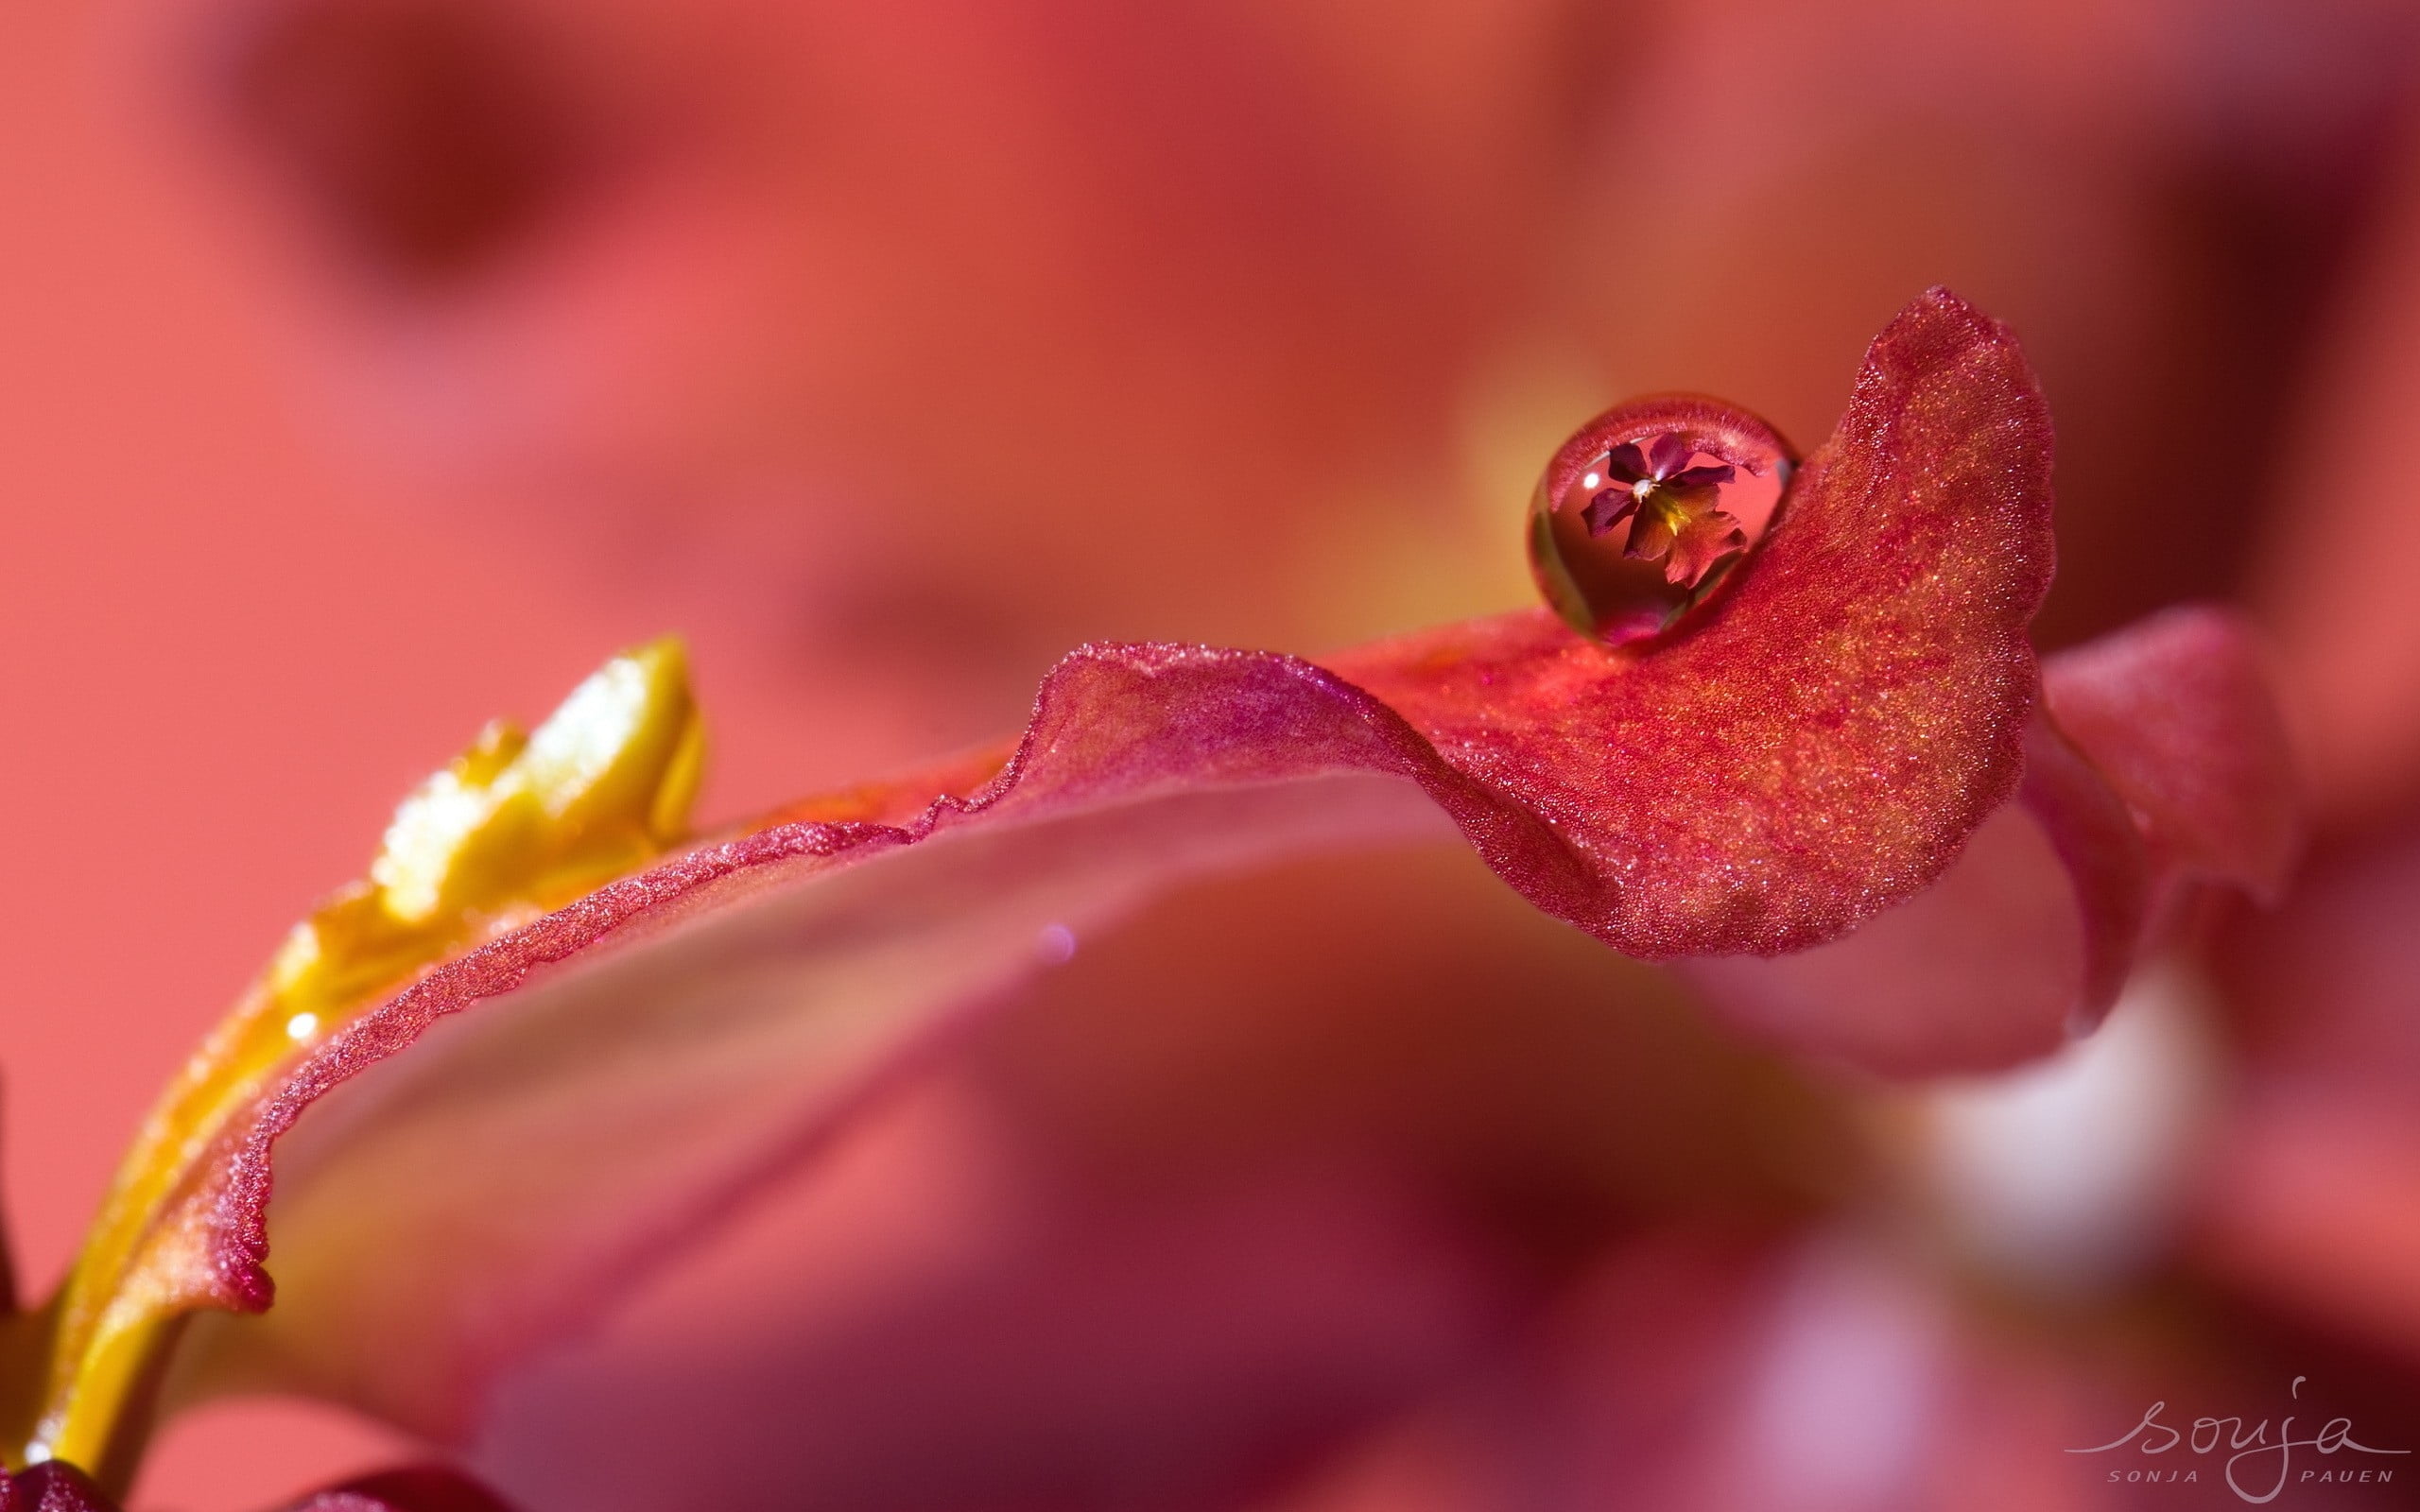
x,y
514,827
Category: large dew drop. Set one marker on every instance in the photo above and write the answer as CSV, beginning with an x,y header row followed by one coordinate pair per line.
x,y
1647,511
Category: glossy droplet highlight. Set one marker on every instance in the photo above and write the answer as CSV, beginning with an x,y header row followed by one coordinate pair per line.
x,y
1644,514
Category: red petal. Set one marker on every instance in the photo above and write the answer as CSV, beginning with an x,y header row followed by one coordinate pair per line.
x,y
1814,754
1689,1374
2167,752
677,1039
1666,453
1651,536
2313,1198
1625,463
415,1489
52,1487
2109,873
2027,938
1710,475
1818,751
1608,509
2177,713
1700,543
1182,1354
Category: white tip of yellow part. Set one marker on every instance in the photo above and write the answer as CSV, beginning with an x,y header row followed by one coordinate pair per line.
x,y
609,775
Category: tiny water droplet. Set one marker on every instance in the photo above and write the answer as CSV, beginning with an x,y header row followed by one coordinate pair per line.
x,y
1055,944
1647,510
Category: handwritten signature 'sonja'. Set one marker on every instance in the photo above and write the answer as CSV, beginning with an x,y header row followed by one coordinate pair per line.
x,y
2244,1445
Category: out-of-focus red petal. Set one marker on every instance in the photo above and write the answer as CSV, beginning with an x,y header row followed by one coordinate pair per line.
x,y
1700,1374
2313,1202
52,1485
414,1488
2312,1197
1142,1354
2177,713
2111,872
55,1486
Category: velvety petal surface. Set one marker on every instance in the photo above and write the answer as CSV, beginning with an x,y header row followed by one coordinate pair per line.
x,y
2025,940
2161,756
1816,752
1821,746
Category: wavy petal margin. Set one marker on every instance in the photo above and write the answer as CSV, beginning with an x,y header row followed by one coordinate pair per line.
x,y
1817,750
1818,747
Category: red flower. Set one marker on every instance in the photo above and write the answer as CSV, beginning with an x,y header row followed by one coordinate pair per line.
x,y
1677,511
1790,773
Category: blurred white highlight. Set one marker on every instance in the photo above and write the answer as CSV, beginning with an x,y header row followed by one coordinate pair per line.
x,y
2061,1179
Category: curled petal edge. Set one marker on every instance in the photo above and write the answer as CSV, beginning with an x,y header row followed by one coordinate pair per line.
x,y
1813,755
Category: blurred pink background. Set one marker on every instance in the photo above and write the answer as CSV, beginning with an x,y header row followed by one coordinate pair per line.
x,y
932,342
235,653
240,646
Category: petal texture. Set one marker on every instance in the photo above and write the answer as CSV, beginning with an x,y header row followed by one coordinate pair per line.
x,y
2161,755
2029,933
1818,750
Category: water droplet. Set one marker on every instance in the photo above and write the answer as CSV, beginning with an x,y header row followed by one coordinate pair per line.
x,y
1644,514
1055,944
